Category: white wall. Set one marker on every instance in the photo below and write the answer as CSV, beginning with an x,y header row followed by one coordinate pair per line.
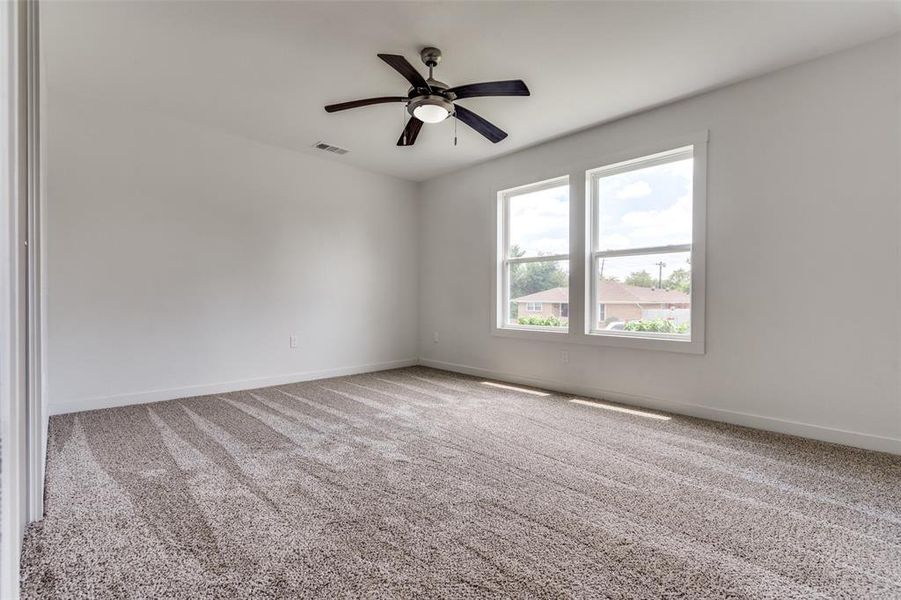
x,y
180,259
803,224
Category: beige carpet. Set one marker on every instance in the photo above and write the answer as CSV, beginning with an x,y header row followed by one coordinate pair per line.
x,y
422,483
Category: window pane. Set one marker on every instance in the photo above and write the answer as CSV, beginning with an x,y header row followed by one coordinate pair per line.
x,y
539,223
646,207
538,294
648,294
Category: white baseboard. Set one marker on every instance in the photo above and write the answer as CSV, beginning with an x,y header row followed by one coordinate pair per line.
x,y
806,430
82,404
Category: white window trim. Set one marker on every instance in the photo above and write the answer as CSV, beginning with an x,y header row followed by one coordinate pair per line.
x,y
592,178
499,324
580,249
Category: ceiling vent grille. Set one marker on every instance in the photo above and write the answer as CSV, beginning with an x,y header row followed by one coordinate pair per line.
x,y
330,148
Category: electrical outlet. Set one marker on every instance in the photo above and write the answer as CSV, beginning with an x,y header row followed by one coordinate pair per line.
x,y
292,341
564,356
435,337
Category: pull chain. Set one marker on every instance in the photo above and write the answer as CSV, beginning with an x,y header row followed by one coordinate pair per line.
x,y
403,123
455,128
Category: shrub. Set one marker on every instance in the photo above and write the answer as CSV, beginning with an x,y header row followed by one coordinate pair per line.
x,y
657,326
536,321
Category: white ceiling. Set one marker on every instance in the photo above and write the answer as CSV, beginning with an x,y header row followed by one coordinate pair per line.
x,y
264,70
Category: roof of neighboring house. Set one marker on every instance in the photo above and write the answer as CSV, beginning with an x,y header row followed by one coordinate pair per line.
x,y
558,295
613,292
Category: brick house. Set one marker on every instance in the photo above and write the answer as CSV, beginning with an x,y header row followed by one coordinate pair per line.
x,y
617,301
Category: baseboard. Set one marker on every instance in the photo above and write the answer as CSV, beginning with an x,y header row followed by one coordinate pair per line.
x,y
11,555
83,404
806,430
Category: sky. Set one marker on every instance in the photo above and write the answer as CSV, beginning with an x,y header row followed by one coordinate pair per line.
x,y
641,208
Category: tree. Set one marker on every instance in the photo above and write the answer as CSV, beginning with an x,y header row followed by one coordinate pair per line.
x,y
641,279
528,278
680,280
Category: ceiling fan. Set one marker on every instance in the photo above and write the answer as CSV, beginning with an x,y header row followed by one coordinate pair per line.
x,y
432,101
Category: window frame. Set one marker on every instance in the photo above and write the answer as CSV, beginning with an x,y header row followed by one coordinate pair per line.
x,y
501,302
581,247
592,180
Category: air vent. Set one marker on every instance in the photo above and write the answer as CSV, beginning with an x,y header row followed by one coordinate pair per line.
x,y
330,148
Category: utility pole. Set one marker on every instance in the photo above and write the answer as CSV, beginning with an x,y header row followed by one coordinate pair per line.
x,y
660,266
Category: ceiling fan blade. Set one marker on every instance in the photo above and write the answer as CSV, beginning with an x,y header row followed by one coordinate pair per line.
x,y
411,131
489,130
357,103
403,66
513,87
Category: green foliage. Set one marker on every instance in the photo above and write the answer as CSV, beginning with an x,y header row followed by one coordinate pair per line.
x,y
656,326
641,279
679,280
534,277
549,321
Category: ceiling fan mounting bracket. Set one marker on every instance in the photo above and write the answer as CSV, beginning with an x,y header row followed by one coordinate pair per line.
x,y
430,56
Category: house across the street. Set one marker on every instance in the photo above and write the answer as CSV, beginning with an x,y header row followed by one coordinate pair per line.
x,y
617,301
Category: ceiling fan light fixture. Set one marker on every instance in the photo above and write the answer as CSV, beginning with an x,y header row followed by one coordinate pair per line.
x,y
430,113
431,109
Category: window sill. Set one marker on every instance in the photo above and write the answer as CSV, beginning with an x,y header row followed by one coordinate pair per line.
x,y
533,333
665,343
610,340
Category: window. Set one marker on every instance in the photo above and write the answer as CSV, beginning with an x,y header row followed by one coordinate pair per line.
x,y
534,255
641,247
638,231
